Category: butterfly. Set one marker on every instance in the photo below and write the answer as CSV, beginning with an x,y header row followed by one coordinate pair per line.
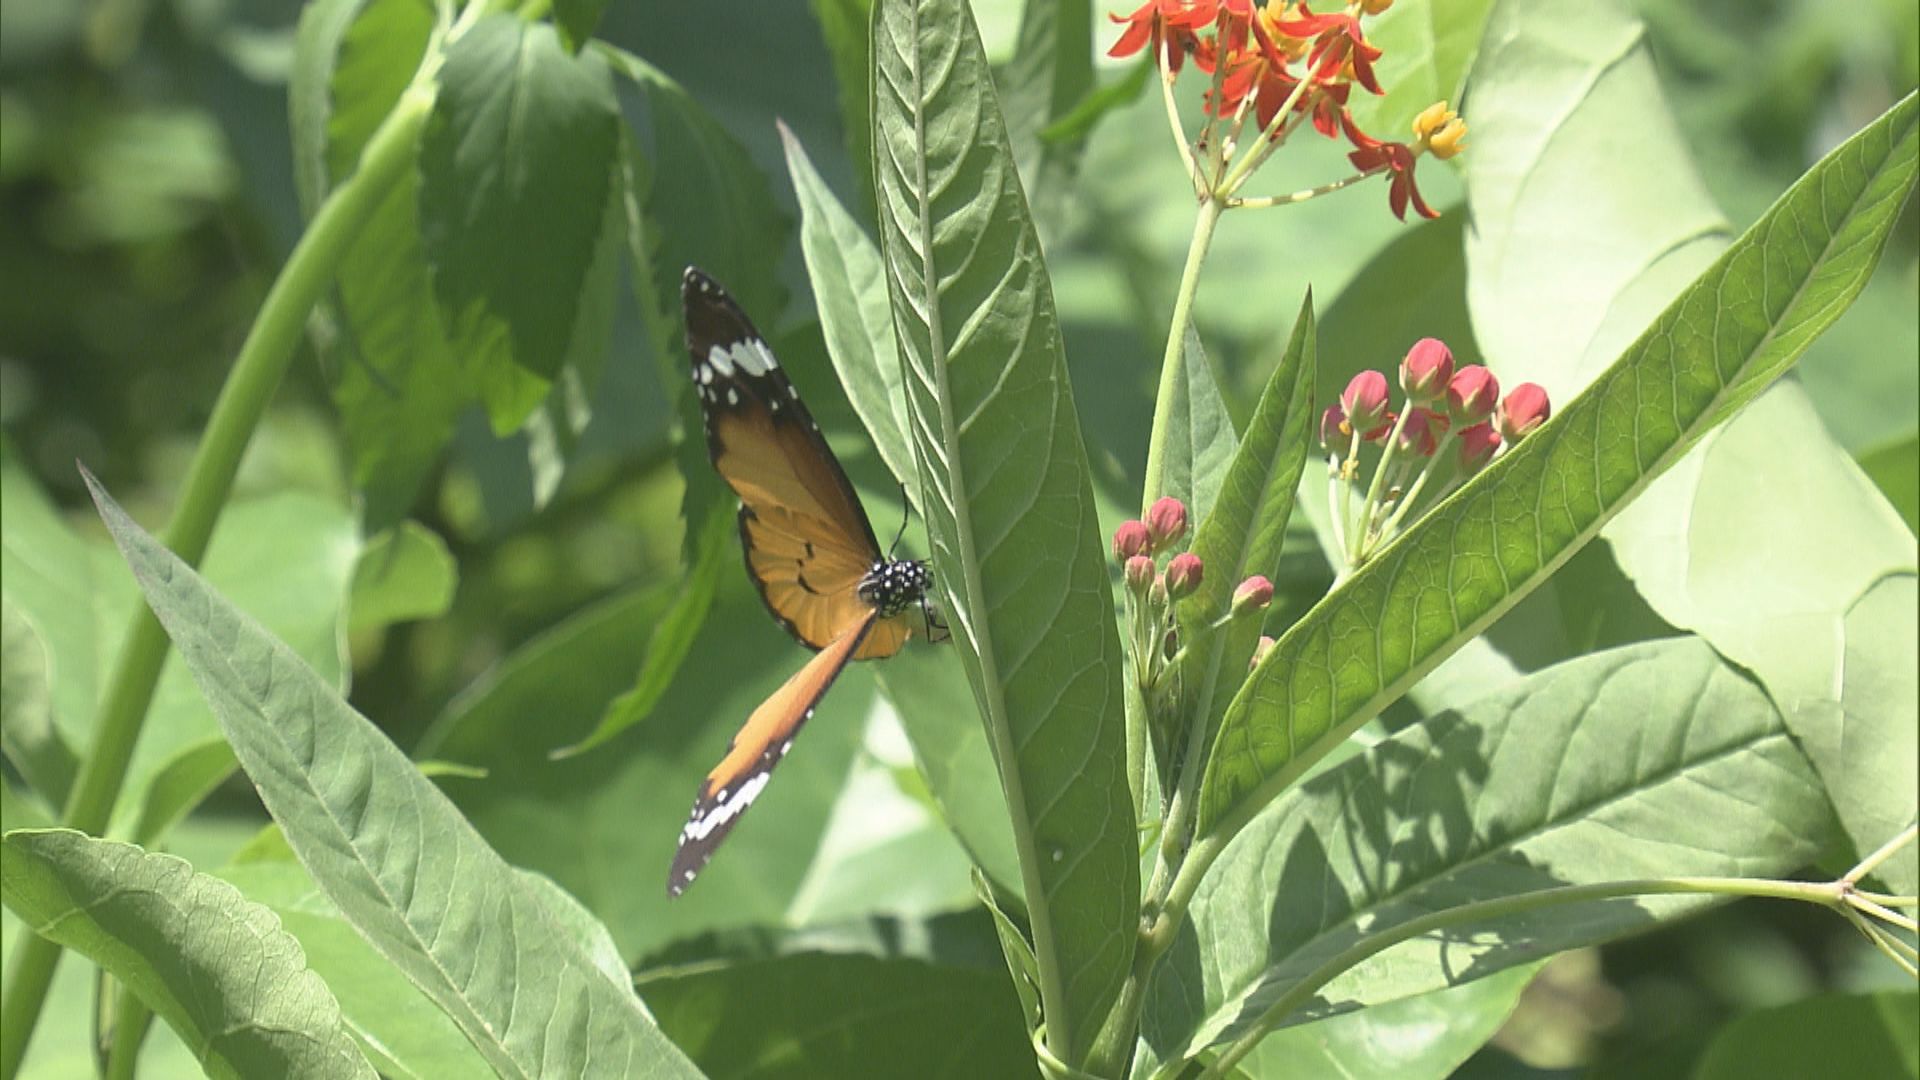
x,y
810,552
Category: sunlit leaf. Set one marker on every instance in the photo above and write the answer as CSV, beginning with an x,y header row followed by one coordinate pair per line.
x,y
391,851
1008,501
216,967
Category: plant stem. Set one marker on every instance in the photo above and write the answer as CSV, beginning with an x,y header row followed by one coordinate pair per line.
x,y
1258,201
1301,992
1357,554
263,359
131,1020
1170,361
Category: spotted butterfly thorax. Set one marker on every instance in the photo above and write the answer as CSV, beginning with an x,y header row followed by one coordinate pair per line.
x,y
809,548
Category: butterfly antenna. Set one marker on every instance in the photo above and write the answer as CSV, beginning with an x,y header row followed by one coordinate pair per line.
x,y
906,515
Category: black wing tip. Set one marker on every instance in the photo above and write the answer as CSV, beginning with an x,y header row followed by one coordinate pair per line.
x,y
694,280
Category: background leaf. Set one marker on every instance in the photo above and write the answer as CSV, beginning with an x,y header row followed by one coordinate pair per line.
x,y
220,970
1739,325
813,1015
1524,790
1839,1034
1006,492
1200,435
386,845
1635,236
516,166
404,573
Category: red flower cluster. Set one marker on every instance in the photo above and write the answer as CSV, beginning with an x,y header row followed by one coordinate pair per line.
x,y
1287,64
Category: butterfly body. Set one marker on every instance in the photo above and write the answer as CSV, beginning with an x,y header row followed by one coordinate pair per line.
x,y
810,552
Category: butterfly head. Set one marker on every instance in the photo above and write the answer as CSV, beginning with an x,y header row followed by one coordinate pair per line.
x,y
893,585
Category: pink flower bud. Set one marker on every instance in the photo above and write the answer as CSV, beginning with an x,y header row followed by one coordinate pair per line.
x,y
1478,444
1526,408
1183,575
1253,594
1365,401
1166,522
1422,431
1131,539
1472,394
1427,370
1260,652
1139,574
1333,427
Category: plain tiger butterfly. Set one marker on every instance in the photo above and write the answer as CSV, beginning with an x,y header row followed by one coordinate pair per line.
x,y
810,552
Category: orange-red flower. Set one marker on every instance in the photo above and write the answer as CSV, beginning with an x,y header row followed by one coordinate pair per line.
x,y
1372,155
1170,25
1337,40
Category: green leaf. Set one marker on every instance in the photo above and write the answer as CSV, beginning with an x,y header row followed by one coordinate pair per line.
x,y
856,316
1200,436
578,19
218,969
1894,468
1854,1035
387,847
47,576
819,1015
181,784
1245,532
1079,121
950,746
395,377
1739,326
1639,233
575,818
1426,47
1050,73
1008,499
1418,1037
1527,789
671,638
316,49
405,573
843,23
32,742
1014,946
517,166
404,1032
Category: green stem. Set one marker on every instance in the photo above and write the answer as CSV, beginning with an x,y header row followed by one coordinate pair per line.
x,y
1358,552
1300,993
1203,224
256,373
131,1020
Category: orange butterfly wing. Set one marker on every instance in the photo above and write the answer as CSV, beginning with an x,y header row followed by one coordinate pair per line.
x,y
734,783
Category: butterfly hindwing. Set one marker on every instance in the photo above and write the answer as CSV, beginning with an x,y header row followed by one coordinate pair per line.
x,y
736,782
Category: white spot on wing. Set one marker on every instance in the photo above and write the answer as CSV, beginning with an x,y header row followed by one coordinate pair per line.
x,y
726,809
733,396
753,356
720,359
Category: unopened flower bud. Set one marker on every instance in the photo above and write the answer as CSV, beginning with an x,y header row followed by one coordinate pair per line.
x,y
1365,401
1253,594
1526,408
1131,539
1139,574
1478,444
1472,395
1166,522
1157,592
1375,7
1333,426
1422,431
1183,575
1260,652
1427,370
1378,433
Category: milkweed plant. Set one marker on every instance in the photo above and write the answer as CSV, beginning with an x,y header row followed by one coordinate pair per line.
x,y
1261,724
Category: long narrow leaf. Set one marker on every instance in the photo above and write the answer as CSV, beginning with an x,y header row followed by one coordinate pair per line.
x,y
1741,325
389,849
1008,500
